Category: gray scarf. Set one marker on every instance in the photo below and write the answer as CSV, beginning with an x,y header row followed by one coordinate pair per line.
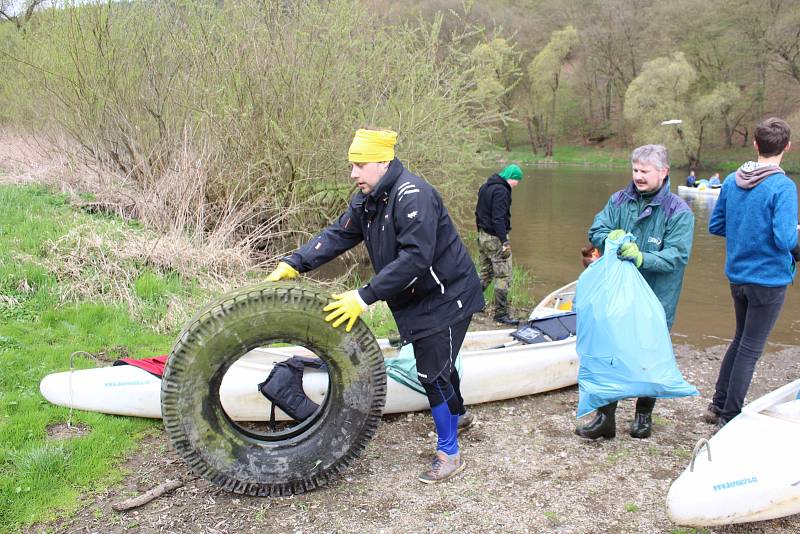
x,y
753,173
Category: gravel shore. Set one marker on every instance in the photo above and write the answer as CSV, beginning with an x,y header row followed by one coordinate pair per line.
x,y
526,472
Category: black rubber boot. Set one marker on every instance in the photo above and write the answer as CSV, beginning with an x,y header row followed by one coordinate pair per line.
x,y
604,424
642,425
501,308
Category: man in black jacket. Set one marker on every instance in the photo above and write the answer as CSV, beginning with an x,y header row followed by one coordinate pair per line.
x,y
423,272
493,218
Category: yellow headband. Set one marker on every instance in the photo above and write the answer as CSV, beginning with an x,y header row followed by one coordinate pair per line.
x,y
372,146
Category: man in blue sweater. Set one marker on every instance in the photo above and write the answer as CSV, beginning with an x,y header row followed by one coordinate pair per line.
x,y
757,215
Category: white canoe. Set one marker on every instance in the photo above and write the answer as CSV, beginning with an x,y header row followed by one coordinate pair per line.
x,y
490,374
697,192
559,301
754,470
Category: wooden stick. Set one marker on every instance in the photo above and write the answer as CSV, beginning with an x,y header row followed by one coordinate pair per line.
x,y
148,496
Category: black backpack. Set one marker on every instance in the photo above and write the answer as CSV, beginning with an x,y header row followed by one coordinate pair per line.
x,y
284,388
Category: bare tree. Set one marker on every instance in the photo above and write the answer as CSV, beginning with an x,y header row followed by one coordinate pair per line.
x,y
20,18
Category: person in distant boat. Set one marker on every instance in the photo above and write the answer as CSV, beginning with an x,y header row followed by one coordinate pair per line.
x,y
493,219
663,226
422,270
713,181
691,179
756,213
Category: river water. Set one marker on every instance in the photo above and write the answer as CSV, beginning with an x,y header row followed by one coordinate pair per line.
x,y
552,210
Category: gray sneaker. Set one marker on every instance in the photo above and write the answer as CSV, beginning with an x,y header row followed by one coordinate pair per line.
x,y
465,421
442,468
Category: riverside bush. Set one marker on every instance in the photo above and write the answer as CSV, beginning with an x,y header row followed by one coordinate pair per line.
x,y
230,121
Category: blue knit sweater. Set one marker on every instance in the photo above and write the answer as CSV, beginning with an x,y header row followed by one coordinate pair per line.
x,y
760,229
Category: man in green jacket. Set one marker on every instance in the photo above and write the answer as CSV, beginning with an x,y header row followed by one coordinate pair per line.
x,y
663,226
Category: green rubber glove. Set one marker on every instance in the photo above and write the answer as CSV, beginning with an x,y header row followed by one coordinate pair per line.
x,y
346,307
616,234
283,271
630,251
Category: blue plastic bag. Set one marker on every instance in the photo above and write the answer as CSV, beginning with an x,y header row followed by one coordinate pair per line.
x,y
623,341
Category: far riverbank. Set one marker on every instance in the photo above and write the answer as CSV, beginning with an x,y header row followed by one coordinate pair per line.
x,y
713,159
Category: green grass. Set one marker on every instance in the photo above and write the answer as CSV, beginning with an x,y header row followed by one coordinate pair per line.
x,y
726,161
42,477
43,320
568,155
519,295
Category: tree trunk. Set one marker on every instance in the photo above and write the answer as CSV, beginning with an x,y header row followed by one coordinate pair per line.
x,y
531,137
728,136
699,143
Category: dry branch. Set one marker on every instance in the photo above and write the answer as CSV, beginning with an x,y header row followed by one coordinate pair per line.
x,y
144,498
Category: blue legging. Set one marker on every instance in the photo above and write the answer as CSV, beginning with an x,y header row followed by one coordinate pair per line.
x,y
436,369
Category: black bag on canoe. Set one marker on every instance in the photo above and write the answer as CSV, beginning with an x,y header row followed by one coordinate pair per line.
x,y
284,388
552,328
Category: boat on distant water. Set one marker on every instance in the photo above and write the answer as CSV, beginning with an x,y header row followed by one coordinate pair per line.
x,y
698,192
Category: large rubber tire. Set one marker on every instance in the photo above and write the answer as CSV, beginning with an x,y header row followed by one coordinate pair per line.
x,y
292,461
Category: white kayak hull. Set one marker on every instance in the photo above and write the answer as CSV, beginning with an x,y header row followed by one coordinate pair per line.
x,y
489,375
693,191
754,471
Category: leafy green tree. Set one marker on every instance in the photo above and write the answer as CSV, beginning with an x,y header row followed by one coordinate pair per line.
x,y
544,74
495,67
666,90
718,105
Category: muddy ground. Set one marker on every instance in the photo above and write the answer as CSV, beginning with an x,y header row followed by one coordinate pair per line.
x,y
526,472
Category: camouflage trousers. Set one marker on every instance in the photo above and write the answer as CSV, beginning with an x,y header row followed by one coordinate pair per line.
x,y
494,263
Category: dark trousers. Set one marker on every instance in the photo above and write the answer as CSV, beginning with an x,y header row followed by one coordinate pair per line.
x,y
436,365
756,308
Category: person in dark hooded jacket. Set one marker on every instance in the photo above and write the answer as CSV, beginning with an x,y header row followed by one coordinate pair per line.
x,y
493,219
422,270
756,213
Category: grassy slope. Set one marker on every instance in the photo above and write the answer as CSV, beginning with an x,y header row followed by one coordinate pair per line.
x,y
40,476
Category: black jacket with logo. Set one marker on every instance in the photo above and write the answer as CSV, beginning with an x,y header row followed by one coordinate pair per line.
x,y
493,211
423,270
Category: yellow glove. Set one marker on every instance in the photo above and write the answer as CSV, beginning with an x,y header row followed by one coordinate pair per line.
x,y
616,234
346,307
630,251
283,271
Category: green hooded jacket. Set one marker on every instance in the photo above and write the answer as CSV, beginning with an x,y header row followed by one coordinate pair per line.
x,y
664,228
